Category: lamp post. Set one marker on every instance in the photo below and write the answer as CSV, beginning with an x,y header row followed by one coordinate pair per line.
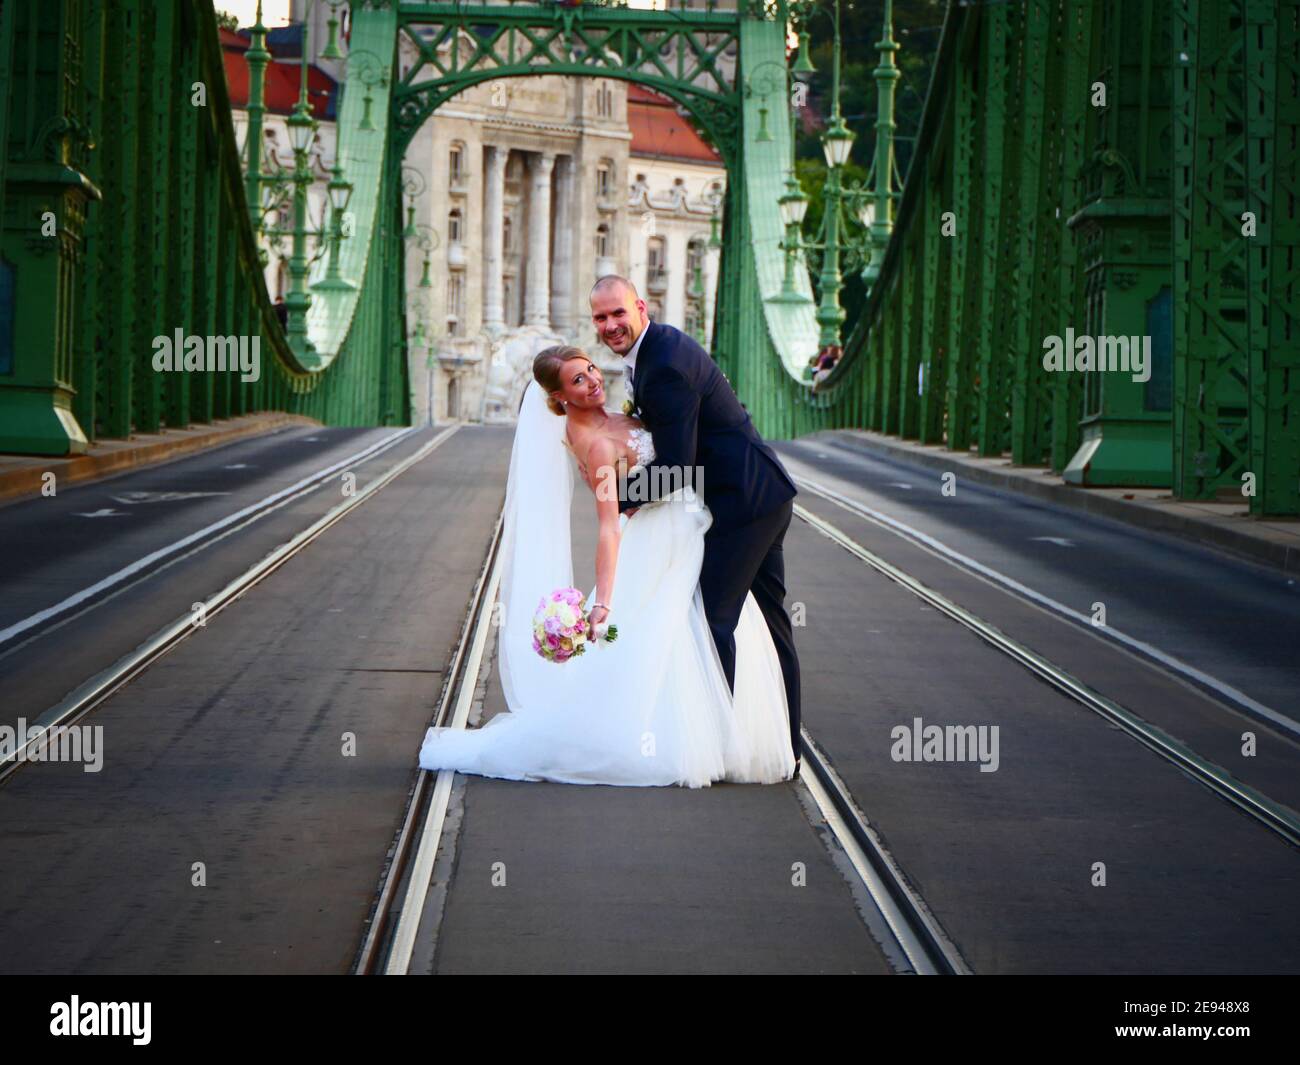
x,y
340,193
257,58
763,85
370,70
714,196
871,208
425,238
302,131
882,215
837,143
413,185
274,176
794,205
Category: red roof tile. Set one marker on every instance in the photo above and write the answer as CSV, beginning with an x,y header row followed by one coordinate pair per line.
x,y
659,130
282,80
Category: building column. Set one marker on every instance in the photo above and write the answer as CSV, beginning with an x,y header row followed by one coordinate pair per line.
x,y
494,176
562,268
537,310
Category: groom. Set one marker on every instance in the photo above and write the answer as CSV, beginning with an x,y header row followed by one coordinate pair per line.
x,y
696,420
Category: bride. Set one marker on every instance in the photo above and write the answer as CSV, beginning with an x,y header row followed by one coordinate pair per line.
x,y
654,707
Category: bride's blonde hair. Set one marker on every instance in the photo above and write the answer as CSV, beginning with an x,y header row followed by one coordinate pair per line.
x,y
546,371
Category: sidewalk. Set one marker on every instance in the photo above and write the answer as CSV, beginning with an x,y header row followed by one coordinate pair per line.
x,y
1226,526
21,475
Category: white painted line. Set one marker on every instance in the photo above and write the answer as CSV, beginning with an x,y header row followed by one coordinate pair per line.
x,y
126,572
1175,665
1281,819
417,891
90,693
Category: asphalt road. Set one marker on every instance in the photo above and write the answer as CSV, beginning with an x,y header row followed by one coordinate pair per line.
x,y
230,751
1236,621
1082,852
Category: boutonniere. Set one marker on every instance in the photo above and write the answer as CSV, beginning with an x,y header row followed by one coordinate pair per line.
x,y
629,408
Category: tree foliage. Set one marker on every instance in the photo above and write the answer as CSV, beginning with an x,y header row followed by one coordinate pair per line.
x,y
917,26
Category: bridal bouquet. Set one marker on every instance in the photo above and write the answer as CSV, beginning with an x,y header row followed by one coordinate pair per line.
x,y
560,626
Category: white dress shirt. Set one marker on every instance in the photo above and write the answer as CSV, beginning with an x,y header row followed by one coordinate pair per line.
x,y
629,360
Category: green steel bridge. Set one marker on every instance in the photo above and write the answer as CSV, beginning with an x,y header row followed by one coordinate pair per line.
x,y
1084,169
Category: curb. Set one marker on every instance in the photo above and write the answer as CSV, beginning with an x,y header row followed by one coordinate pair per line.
x,y
80,469
1238,542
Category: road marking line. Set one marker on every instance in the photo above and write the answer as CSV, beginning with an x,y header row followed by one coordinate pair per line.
x,y
1176,665
1268,812
417,891
77,598
89,694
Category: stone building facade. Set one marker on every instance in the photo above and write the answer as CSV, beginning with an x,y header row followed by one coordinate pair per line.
x,y
532,188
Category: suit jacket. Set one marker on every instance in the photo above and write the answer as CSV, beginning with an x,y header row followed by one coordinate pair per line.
x,y
696,419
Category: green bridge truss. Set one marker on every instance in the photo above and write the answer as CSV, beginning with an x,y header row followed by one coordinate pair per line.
x,y
1119,168
1110,167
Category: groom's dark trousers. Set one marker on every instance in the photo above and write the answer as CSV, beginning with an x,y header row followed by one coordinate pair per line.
x,y
751,558
699,425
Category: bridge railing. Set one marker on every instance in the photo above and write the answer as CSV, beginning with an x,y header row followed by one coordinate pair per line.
x,y
1090,175
131,270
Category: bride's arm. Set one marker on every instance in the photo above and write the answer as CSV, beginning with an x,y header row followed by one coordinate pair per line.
x,y
602,475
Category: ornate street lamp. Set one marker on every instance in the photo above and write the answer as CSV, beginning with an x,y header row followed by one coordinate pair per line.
x,y
714,196
872,211
257,58
302,132
882,209
803,66
837,142
426,239
794,205
370,70
331,50
266,185
413,185
764,85
340,193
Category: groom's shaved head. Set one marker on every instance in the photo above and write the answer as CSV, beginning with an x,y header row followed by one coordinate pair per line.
x,y
613,284
617,312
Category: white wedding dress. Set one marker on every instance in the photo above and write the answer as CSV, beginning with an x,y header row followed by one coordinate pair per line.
x,y
650,708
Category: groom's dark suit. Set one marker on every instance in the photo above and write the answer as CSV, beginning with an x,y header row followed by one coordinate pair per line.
x,y
697,421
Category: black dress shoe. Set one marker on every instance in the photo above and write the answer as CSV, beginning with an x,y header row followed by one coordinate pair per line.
x,y
795,775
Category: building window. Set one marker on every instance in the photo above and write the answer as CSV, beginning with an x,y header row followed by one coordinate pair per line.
x,y
454,227
656,264
602,241
456,305
507,234
456,164
693,322
604,101
654,310
604,181
695,266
